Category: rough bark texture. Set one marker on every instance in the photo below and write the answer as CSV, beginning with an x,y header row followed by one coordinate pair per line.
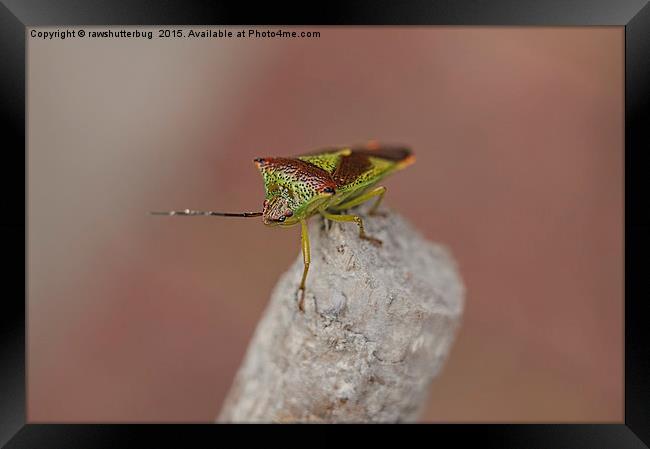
x,y
377,328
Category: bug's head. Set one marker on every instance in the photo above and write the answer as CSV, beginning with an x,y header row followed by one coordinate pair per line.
x,y
292,189
277,210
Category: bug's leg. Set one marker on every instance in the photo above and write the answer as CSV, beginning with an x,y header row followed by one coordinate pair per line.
x,y
306,257
373,209
378,191
357,219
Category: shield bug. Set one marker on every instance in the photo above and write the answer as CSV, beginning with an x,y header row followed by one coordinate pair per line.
x,y
326,182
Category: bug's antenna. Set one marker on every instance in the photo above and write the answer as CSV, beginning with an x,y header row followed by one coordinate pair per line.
x,y
207,213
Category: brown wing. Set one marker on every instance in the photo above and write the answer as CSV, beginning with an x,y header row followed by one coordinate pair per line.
x,y
354,166
364,166
389,152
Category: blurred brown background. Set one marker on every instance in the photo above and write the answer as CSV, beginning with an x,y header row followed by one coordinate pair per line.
x,y
518,134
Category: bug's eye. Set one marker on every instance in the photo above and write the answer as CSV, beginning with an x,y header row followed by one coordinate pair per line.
x,y
328,190
288,213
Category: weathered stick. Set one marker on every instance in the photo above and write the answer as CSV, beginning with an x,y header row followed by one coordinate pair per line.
x,y
377,327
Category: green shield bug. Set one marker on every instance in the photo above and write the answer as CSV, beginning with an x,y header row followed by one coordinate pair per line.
x,y
326,182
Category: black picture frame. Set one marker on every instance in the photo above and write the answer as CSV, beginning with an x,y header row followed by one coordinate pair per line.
x,y
633,15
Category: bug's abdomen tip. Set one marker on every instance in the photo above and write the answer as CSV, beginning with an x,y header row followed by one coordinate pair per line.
x,y
408,160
